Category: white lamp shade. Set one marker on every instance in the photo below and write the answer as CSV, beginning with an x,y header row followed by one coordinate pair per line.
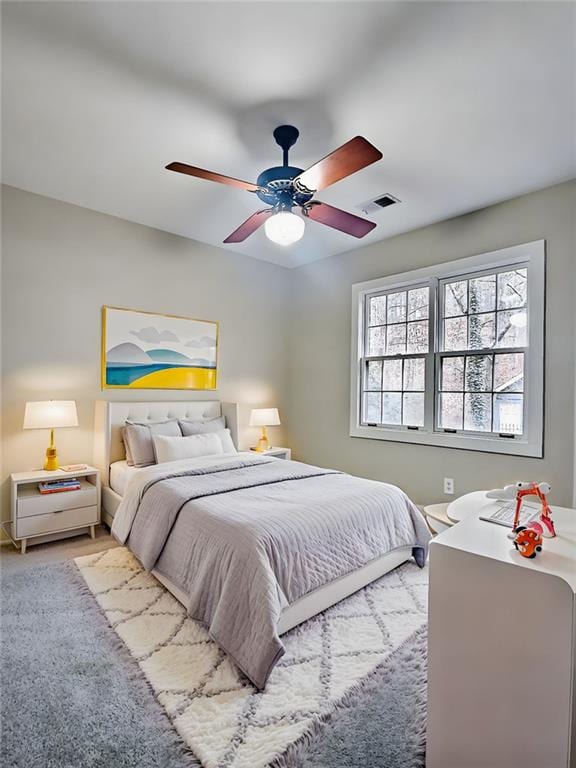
x,y
264,417
48,414
284,228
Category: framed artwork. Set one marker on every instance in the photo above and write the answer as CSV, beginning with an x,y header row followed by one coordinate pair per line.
x,y
144,350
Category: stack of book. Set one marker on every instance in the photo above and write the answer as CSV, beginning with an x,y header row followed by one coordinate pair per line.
x,y
59,486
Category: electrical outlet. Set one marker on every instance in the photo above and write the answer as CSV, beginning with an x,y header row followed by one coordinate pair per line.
x,y
449,486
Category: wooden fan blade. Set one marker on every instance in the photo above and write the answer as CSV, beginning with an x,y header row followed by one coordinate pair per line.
x,y
249,226
338,219
201,173
344,161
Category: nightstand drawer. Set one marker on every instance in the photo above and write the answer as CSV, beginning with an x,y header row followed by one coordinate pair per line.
x,y
35,503
56,521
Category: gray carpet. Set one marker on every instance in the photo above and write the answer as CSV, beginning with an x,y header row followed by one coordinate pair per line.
x,y
72,697
380,724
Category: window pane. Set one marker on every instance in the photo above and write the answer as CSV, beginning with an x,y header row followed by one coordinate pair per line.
x,y
453,373
481,331
372,407
508,413
455,334
392,375
451,411
512,288
418,305
391,408
378,310
374,375
511,329
377,341
482,294
413,412
417,340
455,298
414,374
478,412
509,373
396,343
397,307
479,373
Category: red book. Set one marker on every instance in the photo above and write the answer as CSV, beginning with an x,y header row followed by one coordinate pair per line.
x,y
44,491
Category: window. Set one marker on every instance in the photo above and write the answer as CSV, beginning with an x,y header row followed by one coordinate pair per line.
x,y
397,325
453,355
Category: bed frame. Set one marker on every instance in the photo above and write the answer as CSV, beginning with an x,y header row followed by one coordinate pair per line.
x,y
110,417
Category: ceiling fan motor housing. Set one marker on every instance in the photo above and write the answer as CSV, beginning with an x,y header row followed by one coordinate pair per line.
x,y
276,184
277,189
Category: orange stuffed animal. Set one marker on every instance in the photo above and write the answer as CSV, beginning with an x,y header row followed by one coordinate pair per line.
x,y
528,541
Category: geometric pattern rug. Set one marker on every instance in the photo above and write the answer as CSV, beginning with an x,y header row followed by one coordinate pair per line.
x,y
215,709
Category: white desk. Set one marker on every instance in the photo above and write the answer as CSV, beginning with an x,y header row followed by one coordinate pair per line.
x,y
502,639
467,505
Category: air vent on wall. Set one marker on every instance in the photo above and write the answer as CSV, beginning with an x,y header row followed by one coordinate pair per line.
x,y
376,204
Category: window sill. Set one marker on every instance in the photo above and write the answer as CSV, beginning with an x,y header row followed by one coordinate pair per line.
x,y
507,446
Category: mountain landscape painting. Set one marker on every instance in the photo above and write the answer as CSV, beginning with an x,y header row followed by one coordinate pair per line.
x,y
143,350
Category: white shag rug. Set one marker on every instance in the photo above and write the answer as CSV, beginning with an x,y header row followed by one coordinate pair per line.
x,y
215,709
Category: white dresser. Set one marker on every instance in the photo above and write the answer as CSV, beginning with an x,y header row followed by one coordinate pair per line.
x,y
55,515
502,640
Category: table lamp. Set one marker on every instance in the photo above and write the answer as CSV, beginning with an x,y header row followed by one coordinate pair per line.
x,y
50,414
264,417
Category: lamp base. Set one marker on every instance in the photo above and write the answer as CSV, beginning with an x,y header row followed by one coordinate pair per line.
x,y
263,442
51,462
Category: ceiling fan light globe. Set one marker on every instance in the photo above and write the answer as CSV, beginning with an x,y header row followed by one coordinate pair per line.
x,y
284,228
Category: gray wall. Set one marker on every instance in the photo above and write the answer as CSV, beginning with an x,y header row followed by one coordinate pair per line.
x,y
320,350
62,262
285,335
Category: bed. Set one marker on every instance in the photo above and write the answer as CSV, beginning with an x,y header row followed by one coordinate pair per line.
x,y
252,546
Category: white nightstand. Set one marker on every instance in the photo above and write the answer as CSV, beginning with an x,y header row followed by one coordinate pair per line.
x,y
279,453
55,515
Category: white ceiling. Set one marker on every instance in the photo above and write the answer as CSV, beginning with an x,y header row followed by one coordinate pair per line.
x,y
471,103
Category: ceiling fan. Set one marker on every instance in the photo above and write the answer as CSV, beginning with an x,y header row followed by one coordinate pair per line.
x,y
285,187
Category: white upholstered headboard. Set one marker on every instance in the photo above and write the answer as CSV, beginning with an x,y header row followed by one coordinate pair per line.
x,y
109,418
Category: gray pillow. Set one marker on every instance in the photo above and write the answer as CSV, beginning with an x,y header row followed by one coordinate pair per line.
x,y
139,439
129,459
202,427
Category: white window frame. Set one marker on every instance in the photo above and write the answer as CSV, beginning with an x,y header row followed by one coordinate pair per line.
x,y
530,255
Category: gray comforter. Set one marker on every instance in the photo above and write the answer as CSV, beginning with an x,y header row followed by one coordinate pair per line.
x,y
245,536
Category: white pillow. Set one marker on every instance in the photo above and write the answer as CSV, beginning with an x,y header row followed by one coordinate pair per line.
x,y
193,446
227,442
